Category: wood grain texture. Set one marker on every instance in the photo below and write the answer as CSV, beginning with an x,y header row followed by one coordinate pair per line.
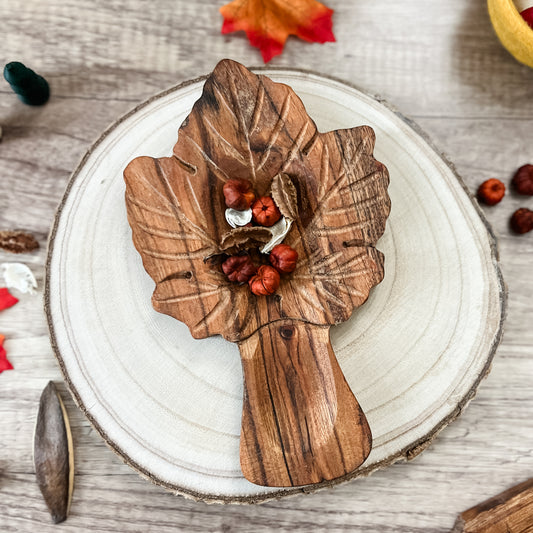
x,y
440,63
508,512
246,126
301,423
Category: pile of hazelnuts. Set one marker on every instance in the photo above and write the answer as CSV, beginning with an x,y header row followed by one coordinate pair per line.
x,y
265,279
491,192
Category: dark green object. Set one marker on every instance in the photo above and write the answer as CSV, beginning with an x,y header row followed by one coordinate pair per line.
x,y
31,88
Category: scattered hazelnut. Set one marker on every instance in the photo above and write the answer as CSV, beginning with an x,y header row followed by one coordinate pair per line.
x,y
283,258
265,212
239,268
522,220
491,191
523,180
265,282
238,194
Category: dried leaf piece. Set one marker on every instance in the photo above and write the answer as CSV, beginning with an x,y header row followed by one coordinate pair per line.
x,y
19,276
53,454
4,363
268,23
17,242
241,238
285,196
6,299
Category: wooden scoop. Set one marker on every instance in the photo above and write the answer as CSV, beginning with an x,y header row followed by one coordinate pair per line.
x,y
301,423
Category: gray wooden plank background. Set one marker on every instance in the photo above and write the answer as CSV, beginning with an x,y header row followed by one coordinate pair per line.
x,y
437,62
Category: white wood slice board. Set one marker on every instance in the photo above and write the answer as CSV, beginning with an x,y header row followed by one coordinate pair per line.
x,y
170,405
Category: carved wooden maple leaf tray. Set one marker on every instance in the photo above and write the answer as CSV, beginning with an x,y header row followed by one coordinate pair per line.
x,y
301,423
170,404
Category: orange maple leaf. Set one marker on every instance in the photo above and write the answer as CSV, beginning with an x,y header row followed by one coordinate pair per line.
x,y
268,23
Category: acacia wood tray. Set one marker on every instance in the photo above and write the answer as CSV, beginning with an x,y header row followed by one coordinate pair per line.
x,y
301,424
413,354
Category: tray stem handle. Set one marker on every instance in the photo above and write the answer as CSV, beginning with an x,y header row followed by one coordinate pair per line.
x,y
301,423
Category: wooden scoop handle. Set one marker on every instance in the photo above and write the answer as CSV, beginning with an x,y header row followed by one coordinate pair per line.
x,y
301,423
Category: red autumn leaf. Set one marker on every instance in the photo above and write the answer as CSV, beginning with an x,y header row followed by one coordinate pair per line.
x,y
527,15
6,299
4,363
268,23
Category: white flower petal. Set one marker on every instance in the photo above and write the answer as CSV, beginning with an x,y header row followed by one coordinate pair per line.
x,y
18,276
238,218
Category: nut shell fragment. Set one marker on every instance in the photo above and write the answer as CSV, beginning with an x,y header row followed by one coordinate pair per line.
x,y
278,231
285,196
243,238
53,455
17,242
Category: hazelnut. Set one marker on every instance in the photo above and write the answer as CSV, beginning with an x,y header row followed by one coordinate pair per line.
x,y
238,268
522,220
283,258
491,191
265,282
265,212
238,194
523,180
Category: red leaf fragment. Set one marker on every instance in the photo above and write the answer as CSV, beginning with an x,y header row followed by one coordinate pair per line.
x,y
4,363
268,23
6,299
527,15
